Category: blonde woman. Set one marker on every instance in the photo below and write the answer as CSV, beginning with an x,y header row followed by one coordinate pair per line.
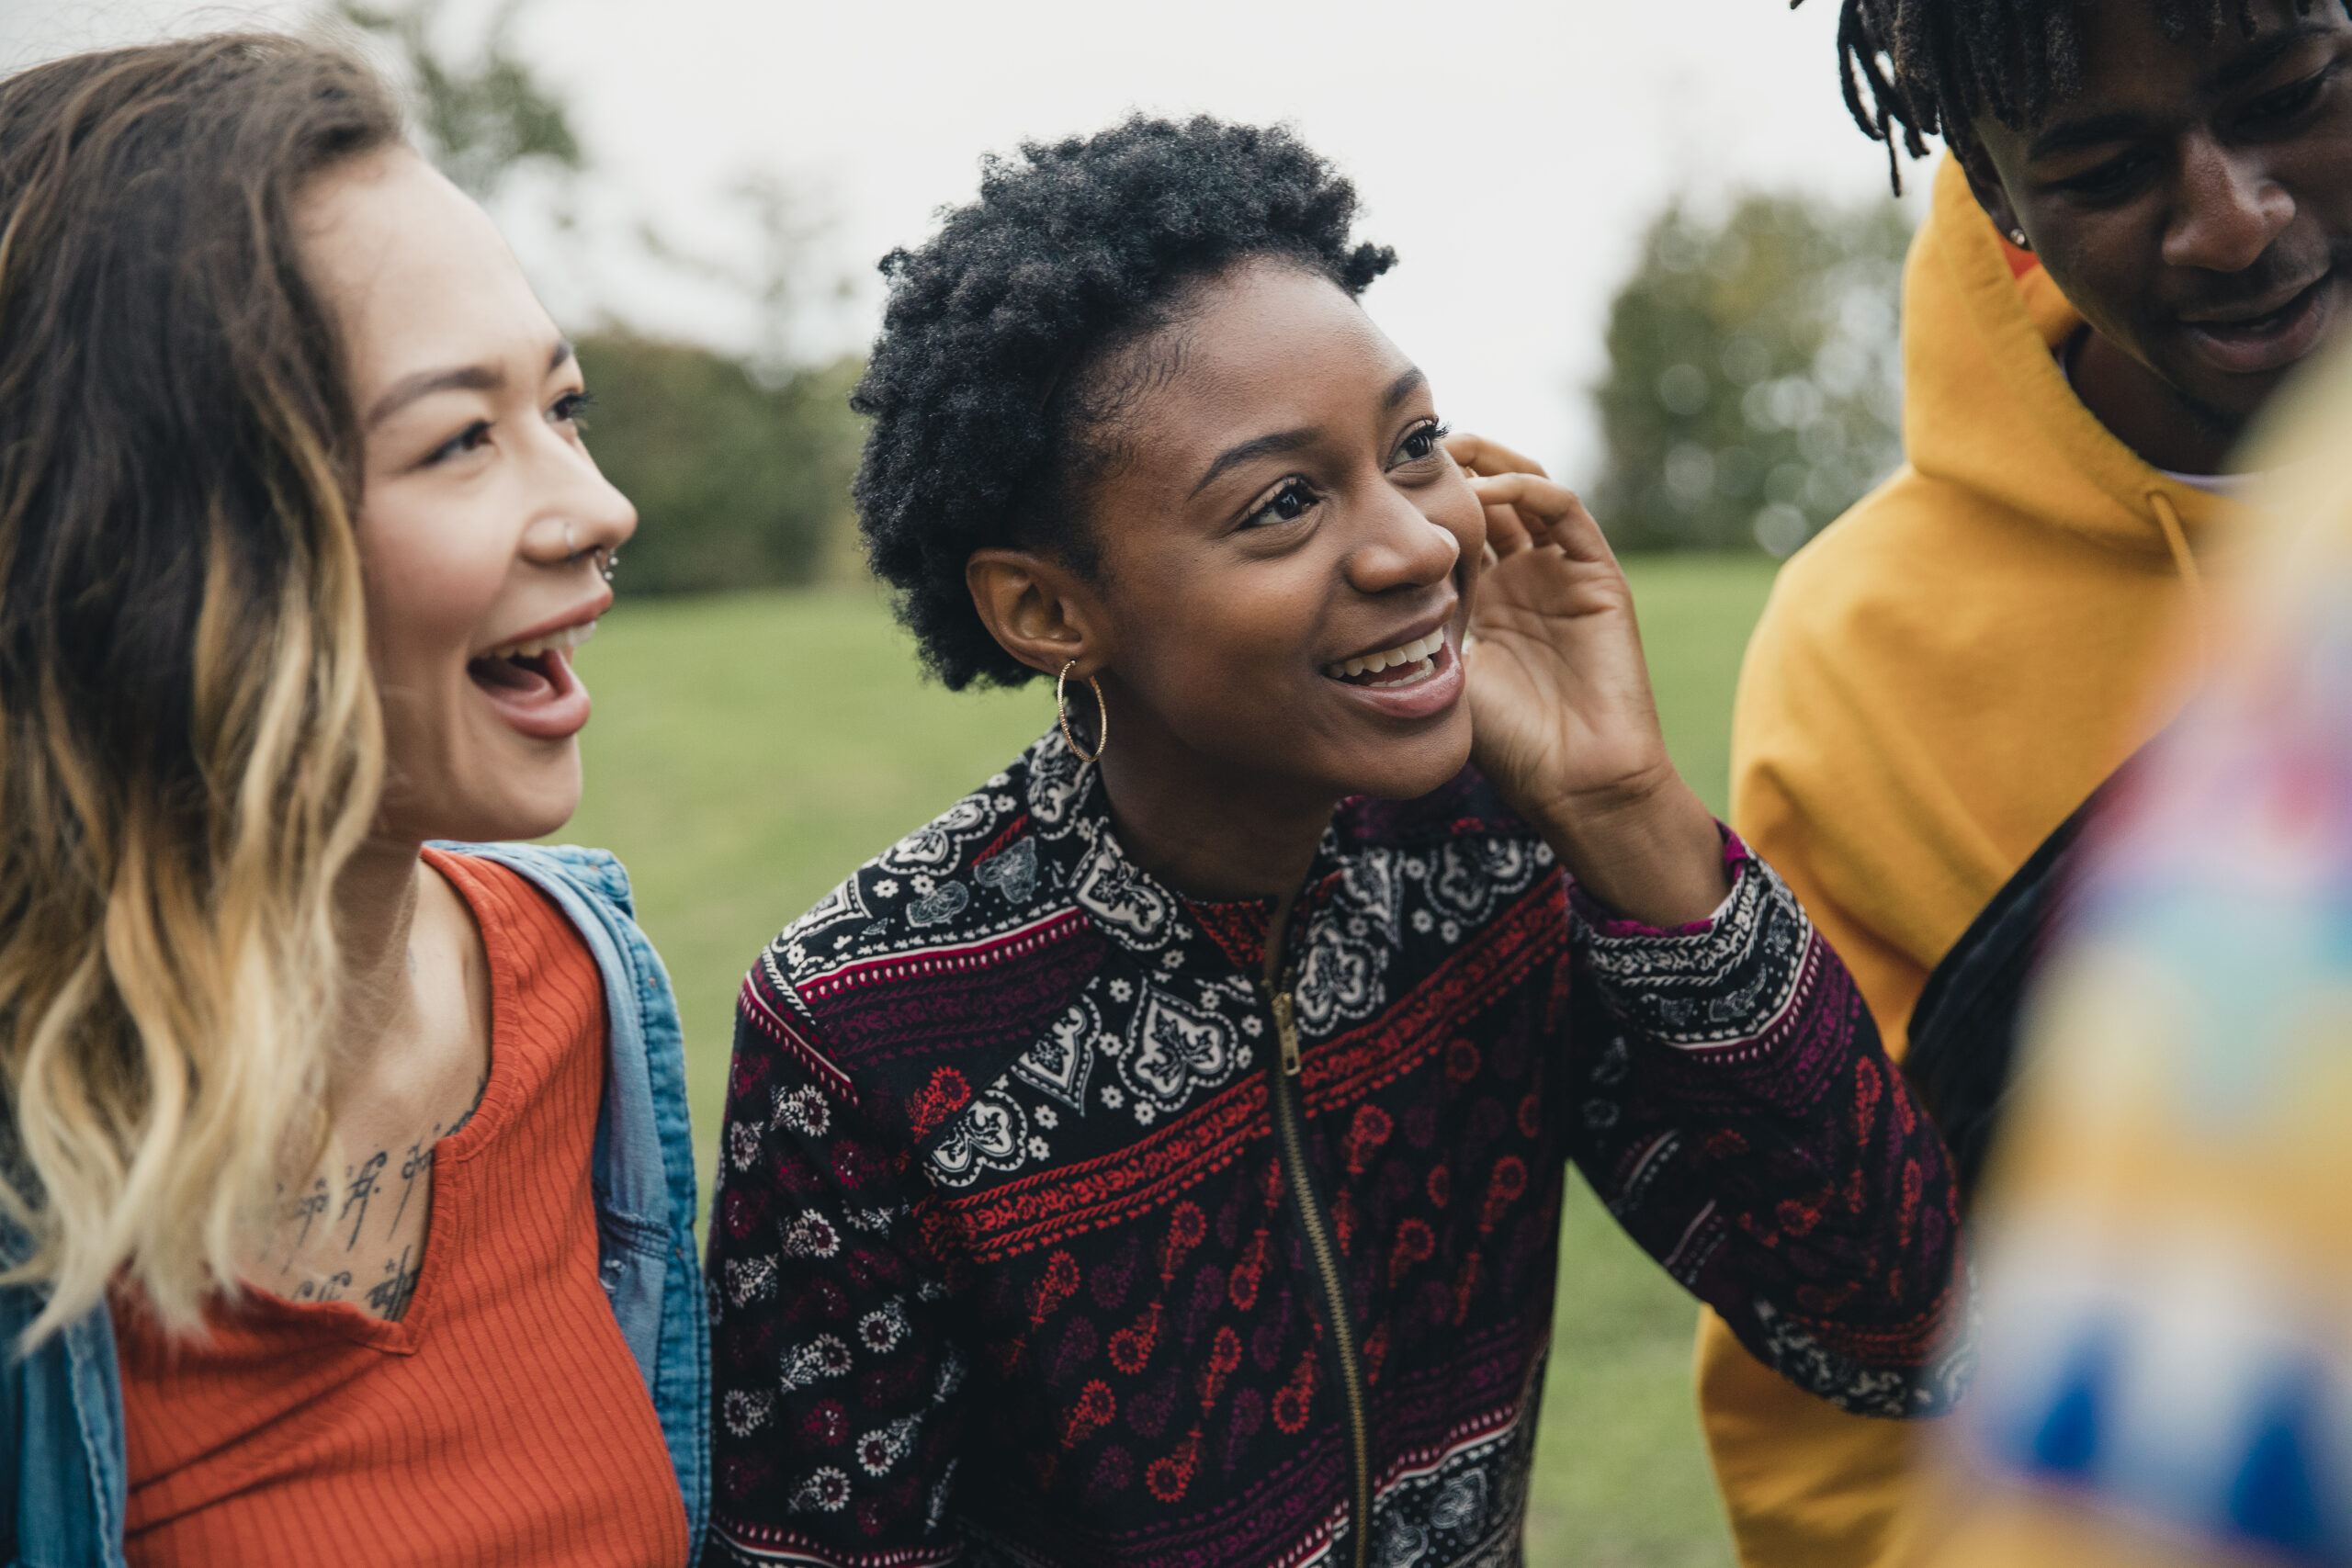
x,y
348,1192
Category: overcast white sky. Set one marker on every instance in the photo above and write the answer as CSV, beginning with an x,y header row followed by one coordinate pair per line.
x,y
1511,150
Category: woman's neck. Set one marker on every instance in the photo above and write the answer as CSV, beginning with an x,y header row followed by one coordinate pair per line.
x,y
1205,827
375,907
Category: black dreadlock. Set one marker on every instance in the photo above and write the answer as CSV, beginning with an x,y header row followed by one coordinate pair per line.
x,y
1930,66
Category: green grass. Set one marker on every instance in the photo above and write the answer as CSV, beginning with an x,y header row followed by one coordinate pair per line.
x,y
749,750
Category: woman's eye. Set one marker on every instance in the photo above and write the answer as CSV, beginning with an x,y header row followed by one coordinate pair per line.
x,y
573,408
471,438
1421,443
1287,504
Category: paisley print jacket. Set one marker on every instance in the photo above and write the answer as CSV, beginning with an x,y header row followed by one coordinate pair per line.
x,y
1045,1235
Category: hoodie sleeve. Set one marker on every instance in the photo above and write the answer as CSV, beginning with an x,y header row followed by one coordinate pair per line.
x,y
1737,1115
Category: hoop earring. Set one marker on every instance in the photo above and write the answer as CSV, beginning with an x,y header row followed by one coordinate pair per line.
x,y
1101,712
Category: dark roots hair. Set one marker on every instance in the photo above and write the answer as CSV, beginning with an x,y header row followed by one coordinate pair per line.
x,y
1928,68
983,385
189,744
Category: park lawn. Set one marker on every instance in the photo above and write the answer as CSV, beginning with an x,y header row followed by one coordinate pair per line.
x,y
749,750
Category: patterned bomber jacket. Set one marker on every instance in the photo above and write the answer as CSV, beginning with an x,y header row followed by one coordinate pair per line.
x,y
1046,1236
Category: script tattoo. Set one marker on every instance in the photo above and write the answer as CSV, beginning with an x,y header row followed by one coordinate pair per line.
x,y
389,1296
331,1288
418,1159
363,1186
311,1205
481,1088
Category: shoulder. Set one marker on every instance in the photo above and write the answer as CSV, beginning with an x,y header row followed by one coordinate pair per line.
x,y
1861,555
596,876
964,930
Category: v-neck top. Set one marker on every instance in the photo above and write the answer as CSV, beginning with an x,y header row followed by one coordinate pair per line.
x,y
501,1418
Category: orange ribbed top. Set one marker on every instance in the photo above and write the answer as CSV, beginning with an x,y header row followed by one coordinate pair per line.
x,y
501,1419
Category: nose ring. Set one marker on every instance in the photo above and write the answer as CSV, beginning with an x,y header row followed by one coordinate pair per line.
x,y
571,540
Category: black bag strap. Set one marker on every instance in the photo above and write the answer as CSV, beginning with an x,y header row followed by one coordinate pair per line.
x,y
1963,1057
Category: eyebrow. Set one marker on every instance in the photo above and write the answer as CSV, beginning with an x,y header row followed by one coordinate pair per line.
x,y
1262,446
2069,136
1283,441
458,379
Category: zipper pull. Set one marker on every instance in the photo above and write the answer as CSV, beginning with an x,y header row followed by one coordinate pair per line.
x,y
1286,1027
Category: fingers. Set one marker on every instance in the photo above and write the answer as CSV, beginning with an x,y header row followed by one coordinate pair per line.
x,y
1506,533
1479,455
1541,512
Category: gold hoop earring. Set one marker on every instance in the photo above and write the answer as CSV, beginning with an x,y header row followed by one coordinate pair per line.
x,y
1102,713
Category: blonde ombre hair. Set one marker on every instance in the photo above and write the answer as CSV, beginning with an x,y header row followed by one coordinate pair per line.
x,y
189,744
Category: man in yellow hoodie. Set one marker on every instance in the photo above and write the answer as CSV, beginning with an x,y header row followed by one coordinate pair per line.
x,y
2145,223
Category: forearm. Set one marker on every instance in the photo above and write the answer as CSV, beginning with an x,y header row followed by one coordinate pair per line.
x,y
1758,1142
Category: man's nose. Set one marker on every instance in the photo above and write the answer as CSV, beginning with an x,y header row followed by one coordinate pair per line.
x,y
2227,208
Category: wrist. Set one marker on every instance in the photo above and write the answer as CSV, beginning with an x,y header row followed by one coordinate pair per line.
x,y
1636,803
1648,849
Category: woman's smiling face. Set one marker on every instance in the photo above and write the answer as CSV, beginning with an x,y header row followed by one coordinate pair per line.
x,y
482,517
1277,514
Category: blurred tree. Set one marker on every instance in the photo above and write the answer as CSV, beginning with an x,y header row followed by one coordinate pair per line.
x,y
739,481
1754,389
483,118
739,463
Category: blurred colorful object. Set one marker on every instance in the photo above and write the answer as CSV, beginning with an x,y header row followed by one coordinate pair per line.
x,y
2166,1350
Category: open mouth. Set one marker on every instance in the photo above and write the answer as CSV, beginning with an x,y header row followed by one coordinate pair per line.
x,y
2273,340
531,683
1394,668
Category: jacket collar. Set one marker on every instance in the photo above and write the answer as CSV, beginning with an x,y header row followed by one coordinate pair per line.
x,y
1075,836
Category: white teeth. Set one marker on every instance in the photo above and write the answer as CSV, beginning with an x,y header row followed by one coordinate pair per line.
x,y
531,648
1371,664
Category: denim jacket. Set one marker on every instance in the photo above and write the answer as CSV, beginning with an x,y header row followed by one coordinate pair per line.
x,y
62,1466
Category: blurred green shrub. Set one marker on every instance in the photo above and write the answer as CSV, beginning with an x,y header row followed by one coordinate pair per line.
x,y
740,481
1754,389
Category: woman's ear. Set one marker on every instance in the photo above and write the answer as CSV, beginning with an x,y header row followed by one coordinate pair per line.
x,y
1038,610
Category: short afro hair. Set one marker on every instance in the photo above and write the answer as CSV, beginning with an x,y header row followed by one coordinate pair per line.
x,y
976,384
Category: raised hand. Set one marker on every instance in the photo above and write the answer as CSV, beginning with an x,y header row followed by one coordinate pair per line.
x,y
1564,721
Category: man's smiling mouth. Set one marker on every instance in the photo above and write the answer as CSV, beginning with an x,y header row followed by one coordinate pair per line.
x,y
2272,340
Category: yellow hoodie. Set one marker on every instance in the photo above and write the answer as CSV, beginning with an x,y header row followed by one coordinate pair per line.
x,y
1938,680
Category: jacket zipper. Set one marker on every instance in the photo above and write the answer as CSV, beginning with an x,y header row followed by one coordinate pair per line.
x,y
1298,1180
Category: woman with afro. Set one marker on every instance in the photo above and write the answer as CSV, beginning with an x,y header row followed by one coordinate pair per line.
x,y
1157,1157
